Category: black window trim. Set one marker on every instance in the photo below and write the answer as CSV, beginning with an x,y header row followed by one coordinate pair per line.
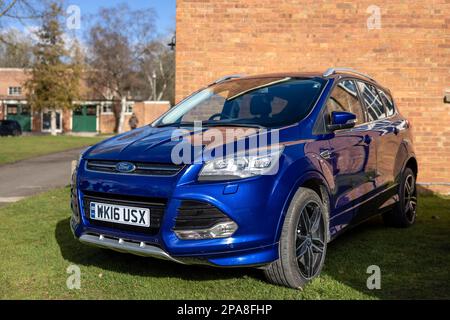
x,y
319,127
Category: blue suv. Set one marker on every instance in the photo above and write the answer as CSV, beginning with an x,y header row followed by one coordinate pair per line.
x,y
336,152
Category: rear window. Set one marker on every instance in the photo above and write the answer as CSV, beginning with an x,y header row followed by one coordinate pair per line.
x,y
374,107
388,102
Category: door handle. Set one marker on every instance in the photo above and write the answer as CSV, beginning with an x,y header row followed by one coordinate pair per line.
x,y
326,154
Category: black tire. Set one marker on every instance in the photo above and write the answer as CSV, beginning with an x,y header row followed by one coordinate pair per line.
x,y
16,133
290,270
404,213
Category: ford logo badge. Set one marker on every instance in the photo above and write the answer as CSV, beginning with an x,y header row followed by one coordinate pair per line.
x,y
125,167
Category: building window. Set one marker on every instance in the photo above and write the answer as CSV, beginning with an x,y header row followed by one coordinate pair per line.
x,y
129,108
107,108
11,109
14,91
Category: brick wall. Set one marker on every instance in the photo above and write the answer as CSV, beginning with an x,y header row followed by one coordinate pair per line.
x,y
146,112
410,53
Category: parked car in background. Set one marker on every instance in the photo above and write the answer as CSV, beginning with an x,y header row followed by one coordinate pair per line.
x,y
344,154
10,128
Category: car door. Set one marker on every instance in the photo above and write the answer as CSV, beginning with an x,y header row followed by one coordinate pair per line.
x,y
352,155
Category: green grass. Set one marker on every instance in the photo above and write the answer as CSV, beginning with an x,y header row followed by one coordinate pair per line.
x,y
37,247
13,149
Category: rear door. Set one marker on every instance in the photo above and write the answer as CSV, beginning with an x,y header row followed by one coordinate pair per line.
x,y
352,155
382,124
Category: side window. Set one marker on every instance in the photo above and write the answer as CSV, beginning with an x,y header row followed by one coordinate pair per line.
x,y
345,98
388,102
374,106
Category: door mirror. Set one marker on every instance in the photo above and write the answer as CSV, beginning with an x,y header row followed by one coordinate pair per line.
x,y
342,120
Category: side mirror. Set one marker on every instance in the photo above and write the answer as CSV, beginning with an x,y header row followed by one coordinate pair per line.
x,y
342,120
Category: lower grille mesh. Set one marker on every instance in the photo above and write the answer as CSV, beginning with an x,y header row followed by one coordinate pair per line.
x,y
198,215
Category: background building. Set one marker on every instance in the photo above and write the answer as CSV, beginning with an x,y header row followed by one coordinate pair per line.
x,y
91,115
405,45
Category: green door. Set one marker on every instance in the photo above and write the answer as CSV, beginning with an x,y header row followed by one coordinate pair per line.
x,y
84,119
21,113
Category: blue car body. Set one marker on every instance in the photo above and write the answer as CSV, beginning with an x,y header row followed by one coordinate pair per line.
x,y
356,170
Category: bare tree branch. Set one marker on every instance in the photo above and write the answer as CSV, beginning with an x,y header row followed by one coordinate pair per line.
x,y
7,8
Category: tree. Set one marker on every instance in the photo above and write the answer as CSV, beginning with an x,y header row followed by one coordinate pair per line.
x,y
16,51
19,11
117,40
55,79
157,69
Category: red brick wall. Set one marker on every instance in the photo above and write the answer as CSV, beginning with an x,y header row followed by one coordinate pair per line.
x,y
146,112
410,54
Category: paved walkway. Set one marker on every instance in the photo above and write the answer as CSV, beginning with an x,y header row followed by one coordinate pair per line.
x,y
29,177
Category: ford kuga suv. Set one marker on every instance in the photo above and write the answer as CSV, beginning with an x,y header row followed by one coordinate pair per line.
x,y
261,171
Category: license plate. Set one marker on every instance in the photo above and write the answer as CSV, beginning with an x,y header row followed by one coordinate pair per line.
x,y
120,214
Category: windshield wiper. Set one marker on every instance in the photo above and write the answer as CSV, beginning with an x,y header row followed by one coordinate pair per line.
x,y
176,124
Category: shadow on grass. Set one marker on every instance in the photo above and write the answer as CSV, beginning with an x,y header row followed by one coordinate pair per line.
x,y
84,255
414,262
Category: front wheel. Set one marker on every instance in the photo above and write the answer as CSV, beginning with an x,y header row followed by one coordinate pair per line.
x,y
404,213
303,242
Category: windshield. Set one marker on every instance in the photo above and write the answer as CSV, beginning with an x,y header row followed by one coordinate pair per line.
x,y
267,102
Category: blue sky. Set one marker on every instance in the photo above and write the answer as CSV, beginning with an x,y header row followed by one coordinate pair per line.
x,y
164,8
164,22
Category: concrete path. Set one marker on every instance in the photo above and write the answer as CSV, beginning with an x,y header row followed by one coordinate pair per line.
x,y
29,177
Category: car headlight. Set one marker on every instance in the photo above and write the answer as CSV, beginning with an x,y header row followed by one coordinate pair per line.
x,y
75,164
244,165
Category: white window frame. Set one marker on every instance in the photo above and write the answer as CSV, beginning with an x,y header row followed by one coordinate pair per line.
x,y
60,111
130,108
106,104
15,91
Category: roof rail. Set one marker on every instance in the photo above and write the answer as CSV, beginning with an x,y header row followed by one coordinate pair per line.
x,y
228,77
332,71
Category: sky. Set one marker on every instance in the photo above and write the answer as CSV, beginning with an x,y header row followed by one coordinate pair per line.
x,y
164,22
165,9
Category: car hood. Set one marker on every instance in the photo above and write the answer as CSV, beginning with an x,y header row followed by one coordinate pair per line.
x,y
150,144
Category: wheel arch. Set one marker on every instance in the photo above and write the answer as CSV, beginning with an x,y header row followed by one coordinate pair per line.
x,y
412,163
313,180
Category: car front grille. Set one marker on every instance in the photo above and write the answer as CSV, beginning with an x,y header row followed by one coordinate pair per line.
x,y
157,208
150,169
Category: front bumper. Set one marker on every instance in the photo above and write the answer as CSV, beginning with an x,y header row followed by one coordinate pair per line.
x,y
127,246
253,204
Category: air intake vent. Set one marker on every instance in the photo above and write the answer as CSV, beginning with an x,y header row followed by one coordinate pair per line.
x,y
150,169
198,215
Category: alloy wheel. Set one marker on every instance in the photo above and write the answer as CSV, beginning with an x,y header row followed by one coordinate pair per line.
x,y
410,198
310,240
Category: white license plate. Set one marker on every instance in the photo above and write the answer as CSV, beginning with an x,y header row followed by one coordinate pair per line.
x,y
120,214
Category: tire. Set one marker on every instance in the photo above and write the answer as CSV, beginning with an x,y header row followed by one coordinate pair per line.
x,y
301,242
404,213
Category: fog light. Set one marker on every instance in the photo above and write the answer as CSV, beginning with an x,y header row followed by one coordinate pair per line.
x,y
220,230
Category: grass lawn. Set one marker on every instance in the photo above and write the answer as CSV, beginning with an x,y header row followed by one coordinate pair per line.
x,y
13,149
37,247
